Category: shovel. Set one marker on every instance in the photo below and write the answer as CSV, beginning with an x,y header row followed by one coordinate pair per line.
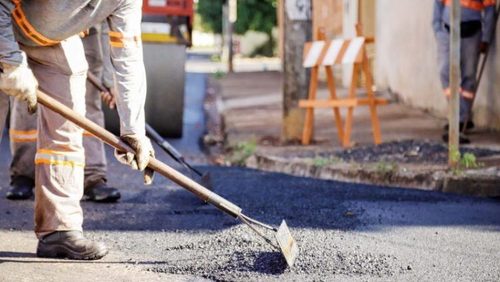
x,y
205,178
286,243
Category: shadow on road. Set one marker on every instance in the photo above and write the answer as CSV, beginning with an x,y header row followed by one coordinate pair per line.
x,y
304,203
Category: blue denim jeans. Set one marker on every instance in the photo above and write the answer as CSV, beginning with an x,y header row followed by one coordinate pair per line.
x,y
469,58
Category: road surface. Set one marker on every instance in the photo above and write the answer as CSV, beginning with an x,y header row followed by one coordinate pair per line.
x,y
345,231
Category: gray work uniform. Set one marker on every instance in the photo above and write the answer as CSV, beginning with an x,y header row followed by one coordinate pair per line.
x,y
47,31
474,13
4,109
23,126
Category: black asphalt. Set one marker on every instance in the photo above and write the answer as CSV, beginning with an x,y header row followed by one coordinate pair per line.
x,y
345,231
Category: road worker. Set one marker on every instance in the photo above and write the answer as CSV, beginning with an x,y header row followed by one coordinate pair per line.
x,y
477,26
40,47
23,132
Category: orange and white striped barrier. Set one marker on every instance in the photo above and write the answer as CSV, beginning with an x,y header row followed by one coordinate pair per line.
x,y
328,54
334,52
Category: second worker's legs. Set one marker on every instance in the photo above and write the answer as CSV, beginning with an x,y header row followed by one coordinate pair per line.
x,y
96,188
23,136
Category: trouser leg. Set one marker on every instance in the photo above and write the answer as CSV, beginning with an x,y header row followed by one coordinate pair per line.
x,y
96,167
469,56
23,136
4,109
61,72
443,43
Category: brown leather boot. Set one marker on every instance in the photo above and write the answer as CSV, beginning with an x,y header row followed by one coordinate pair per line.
x,y
70,245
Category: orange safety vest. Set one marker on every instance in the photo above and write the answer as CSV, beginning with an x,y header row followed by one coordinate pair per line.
x,y
477,5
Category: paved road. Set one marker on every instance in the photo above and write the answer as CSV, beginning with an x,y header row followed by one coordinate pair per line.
x,y
345,231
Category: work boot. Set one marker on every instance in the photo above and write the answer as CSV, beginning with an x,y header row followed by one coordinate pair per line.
x,y
462,139
101,193
70,245
21,188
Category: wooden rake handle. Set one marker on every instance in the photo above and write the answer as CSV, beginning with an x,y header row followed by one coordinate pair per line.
x,y
158,166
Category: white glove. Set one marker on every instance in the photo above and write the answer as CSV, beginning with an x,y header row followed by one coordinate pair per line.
x,y
138,161
19,81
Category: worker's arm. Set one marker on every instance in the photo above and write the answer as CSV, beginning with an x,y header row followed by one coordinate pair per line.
x,y
126,59
16,78
437,17
107,79
107,74
488,20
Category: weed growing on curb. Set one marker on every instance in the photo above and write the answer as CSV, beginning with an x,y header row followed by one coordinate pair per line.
x,y
386,168
322,162
241,152
464,161
219,74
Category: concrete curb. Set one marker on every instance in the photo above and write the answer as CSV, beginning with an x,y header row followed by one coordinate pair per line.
x,y
478,182
482,183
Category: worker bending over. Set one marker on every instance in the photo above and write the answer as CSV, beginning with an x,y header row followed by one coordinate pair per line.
x,y
40,47
23,130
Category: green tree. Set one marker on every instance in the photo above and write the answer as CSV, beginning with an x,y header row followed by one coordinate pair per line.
x,y
258,15
211,14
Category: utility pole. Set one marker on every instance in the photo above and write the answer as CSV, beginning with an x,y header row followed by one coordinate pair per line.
x,y
229,16
454,103
297,31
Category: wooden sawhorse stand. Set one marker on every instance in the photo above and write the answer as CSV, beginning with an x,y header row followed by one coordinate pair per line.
x,y
338,52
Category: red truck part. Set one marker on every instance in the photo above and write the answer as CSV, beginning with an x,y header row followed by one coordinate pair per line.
x,y
168,7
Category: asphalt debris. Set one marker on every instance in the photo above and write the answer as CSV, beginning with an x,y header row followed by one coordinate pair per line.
x,y
407,151
237,255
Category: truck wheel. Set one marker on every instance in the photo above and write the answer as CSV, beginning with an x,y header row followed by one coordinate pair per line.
x,y
165,97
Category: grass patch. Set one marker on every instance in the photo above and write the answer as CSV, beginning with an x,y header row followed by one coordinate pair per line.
x,y
383,167
322,162
239,153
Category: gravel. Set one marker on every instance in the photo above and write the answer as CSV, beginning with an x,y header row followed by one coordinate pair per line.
x,y
236,255
409,151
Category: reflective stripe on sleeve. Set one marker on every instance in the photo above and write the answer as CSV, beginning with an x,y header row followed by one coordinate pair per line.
x,y
51,157
23,136
120,40
28,30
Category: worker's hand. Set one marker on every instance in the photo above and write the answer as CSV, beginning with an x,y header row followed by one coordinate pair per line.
x,y
19,81
108,97
138,161
483,47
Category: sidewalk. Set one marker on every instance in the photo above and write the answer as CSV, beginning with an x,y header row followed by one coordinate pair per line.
x,y
412,154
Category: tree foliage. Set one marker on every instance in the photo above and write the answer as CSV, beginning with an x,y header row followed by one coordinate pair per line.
x,y
211,14
258,15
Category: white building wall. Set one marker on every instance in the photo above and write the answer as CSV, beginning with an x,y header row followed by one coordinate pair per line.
x,y
406,61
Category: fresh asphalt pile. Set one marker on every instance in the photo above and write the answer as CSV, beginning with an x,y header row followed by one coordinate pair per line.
x,y
408,151
234,254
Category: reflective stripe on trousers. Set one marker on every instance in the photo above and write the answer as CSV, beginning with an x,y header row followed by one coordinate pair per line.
x,y
61,71
23,128
469,57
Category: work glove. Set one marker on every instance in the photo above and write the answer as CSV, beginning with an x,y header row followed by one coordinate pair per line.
x,y
19,81
143,153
